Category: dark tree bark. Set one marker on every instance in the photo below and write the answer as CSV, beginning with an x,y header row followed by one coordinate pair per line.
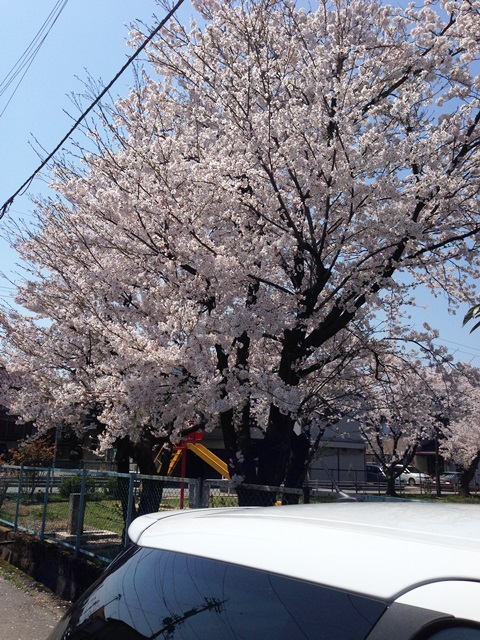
x,y
391,488
466,478
151,490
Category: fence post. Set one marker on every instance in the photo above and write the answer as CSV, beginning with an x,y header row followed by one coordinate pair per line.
x,y
73,513
19,493
45,504
306,493
195,493
81,512
129,508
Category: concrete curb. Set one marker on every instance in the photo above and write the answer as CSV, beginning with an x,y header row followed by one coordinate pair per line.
x,y
64,574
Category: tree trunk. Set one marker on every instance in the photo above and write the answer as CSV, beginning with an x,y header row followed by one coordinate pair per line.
x,y
152,490
467,476
297,467
464,485
251,497
276,448
282,456
391,489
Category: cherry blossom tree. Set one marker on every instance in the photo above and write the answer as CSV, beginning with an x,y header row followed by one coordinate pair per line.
x,y
396,410
461,431
222,248
406,403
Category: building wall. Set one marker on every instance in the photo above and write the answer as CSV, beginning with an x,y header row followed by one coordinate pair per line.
x,y
341,455
340,463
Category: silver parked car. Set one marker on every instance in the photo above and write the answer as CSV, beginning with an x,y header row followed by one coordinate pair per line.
x,y
451,481
345,571
413,476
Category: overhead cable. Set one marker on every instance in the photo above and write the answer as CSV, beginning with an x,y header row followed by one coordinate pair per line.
x,y
30,53
5,207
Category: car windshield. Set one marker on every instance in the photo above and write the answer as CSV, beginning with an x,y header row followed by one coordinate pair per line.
x,y
156,594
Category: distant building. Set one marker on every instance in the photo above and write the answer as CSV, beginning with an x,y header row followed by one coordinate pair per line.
x,y
341,454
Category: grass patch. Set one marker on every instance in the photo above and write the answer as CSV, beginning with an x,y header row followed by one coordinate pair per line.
x,y
99,514
13,575
447,498
104,515
223,501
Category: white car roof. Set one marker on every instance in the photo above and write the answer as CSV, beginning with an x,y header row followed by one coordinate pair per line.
x,y
377,549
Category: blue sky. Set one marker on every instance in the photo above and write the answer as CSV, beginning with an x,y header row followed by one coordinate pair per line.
x,y
90,36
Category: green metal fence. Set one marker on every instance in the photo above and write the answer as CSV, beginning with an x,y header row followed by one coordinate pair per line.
x,y
90,511
87,511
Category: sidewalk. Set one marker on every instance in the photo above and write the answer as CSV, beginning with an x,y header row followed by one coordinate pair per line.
x,y
27,609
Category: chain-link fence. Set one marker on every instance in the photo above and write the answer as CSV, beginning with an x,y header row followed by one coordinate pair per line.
x,y
227,494
90,511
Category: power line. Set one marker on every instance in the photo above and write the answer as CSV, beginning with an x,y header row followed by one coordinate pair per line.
x,y
33,47
458,344
28,214
5,207
30,53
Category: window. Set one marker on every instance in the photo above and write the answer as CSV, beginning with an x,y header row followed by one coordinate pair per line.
x,y
149,593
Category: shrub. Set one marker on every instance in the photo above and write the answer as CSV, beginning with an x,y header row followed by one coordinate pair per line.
x,y
73,484
34,453
112,488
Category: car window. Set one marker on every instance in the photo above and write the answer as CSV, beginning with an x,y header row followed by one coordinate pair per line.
x,y
157,594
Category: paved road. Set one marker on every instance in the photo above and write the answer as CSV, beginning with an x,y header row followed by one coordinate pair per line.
x,y
27,610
